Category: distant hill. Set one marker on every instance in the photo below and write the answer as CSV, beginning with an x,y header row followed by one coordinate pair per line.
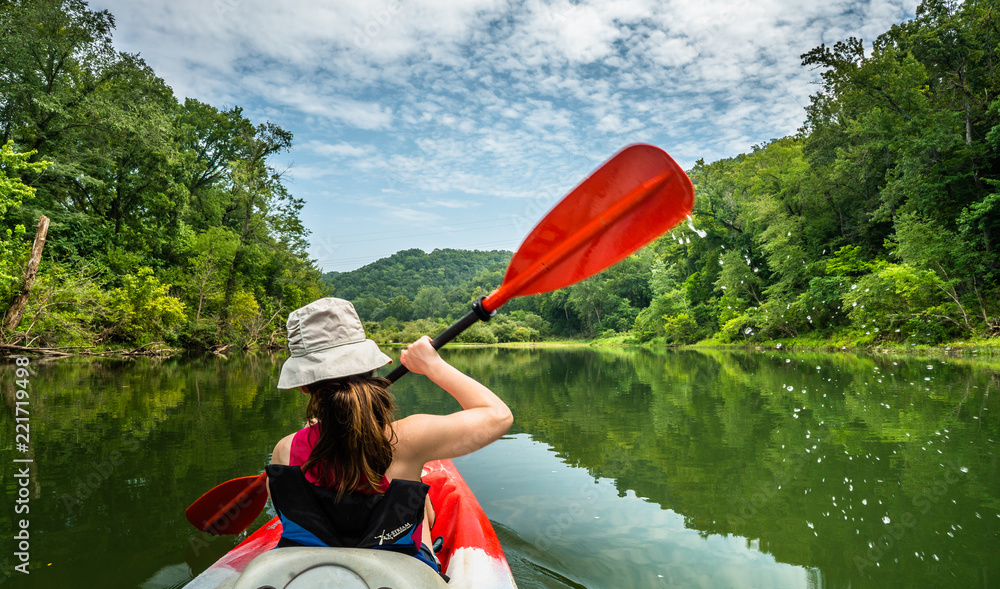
x,y
457,273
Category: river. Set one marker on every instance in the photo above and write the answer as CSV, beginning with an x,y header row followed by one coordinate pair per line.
x,y
624,467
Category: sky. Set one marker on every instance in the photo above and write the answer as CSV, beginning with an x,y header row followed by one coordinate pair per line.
x,y
459,123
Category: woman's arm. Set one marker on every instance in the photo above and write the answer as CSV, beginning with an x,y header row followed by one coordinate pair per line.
x,y
483,419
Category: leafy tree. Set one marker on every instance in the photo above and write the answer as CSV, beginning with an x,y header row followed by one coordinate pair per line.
x,y
142,309
13,191
400,308
370,308
206,271
680,329
429,303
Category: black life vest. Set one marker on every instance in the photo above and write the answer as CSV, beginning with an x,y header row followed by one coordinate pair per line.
x,y
312,516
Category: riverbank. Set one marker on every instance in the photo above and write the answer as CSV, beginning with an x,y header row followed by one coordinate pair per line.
x,y
978,348
982,349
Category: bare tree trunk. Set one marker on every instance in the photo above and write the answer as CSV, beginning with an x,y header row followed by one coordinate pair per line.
x,y
21,301
968,122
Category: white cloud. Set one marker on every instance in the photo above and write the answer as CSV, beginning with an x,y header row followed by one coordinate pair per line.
x,y
450,204
340,150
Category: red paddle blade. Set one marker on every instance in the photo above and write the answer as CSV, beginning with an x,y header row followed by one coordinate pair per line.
x,y
230,507
631,200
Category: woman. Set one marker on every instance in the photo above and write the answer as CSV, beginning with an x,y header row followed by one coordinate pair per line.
x,y
351,477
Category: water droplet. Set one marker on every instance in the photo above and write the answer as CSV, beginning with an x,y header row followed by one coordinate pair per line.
x,y
701,234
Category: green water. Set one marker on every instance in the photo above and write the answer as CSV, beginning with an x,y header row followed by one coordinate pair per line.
x,y
624,468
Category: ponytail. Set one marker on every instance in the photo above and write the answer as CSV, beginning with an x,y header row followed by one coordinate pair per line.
x,y
356,439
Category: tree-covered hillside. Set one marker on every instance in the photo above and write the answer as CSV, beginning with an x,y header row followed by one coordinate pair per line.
x,y
434,282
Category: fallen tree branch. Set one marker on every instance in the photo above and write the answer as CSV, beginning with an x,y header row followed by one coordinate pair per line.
x,y
10,349
143,350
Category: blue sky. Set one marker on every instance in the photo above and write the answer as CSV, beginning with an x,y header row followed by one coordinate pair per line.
x,y
459,123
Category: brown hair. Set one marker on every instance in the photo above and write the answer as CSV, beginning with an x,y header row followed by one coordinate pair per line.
x,y
356,438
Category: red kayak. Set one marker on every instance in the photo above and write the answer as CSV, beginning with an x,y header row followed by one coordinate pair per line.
x,y
471,555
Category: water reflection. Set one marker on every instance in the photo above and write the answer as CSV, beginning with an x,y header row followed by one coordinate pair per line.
x,y
871,471
624,468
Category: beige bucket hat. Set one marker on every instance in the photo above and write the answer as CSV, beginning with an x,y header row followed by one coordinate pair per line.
x,y
326,340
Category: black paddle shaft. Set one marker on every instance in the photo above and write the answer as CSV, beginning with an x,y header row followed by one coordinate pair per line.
x,y
478,313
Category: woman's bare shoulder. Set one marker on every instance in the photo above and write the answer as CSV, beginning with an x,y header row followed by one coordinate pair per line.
x,y
282,450
410,430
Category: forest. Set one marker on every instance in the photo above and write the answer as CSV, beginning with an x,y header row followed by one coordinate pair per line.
x,y
877,223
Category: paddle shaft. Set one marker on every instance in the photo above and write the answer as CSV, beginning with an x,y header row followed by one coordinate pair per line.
x,y
478,313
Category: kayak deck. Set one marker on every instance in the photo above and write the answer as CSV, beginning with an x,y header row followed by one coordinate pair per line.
x,y
471,554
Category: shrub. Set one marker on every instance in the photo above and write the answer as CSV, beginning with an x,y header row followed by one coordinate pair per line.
x,y
680,329
142,310
478,333
898,301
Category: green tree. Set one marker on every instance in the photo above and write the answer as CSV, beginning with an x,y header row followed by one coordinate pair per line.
x,y
429,303
400,307
13,191
142,309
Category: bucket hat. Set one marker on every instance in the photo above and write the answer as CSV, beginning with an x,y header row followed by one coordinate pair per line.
x,y
327,340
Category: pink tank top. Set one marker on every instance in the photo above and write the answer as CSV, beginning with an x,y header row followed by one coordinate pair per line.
x,y
302,445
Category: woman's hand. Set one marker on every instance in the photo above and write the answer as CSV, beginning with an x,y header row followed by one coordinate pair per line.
x,y
421,357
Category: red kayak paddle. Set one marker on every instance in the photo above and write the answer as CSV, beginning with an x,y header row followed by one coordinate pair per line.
x,y
632,199
231,507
